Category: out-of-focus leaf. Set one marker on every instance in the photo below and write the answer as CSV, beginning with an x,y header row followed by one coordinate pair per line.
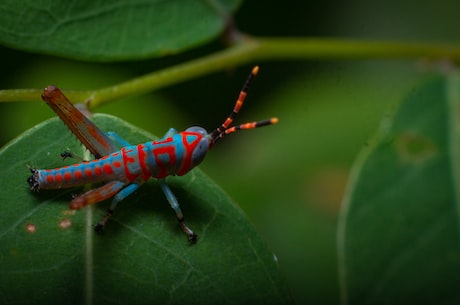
x,y
399,231
111,30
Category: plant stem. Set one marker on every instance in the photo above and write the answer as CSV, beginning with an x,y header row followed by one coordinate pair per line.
x,y
318,48
252,50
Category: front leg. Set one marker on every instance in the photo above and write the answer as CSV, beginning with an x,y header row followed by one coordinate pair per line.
x,y
175,205
169,133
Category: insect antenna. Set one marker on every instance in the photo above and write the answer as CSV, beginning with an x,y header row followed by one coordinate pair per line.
x,y
225,128
250,125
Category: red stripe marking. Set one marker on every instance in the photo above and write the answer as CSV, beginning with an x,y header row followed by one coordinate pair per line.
x,y
58,178
78,174
169,150
107,169
88,172
142,162
126,160
189,148
49,179
98,171
68,176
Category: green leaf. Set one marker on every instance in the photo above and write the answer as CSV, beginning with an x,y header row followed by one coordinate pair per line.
x,y
50,254
399,230
112,30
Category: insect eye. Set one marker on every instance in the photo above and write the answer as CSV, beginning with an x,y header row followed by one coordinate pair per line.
x,y
197,129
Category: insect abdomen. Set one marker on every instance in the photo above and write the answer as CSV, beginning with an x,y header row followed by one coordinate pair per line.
x,y
104,169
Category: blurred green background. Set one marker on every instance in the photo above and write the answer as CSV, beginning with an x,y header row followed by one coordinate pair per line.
x,y
288,178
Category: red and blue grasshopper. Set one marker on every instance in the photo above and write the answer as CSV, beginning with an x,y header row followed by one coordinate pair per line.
x,y
125,170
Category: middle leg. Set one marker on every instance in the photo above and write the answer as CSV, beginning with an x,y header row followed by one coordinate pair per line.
x,y
131,188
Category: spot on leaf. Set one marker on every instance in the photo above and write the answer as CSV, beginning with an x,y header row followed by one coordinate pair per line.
x,y
31,228
65,223
415,148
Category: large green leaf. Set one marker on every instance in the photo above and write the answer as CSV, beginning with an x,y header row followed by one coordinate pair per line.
x,y
50,255
111,30
399,231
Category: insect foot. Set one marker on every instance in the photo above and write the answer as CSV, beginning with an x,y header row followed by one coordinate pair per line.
x,y
33,180
192,237
101,224
98,228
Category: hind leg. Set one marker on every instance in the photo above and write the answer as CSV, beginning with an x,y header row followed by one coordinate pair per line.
x,y
96,195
